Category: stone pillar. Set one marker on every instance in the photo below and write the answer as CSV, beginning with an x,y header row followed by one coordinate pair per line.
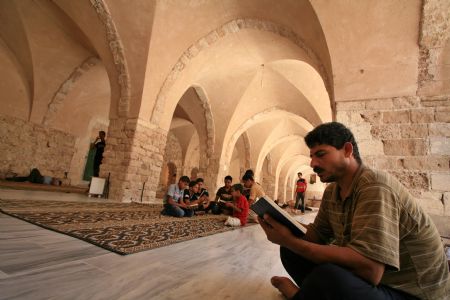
x,y
268,184
210,173
133,155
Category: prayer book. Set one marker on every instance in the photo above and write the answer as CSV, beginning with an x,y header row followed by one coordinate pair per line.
x,y
224,201
265,205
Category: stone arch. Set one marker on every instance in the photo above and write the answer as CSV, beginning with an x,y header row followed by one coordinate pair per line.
x,y
297,156
65,88
257,118
290,178
267,148
239,160
115,45
247,150
203,122
210,128
211,38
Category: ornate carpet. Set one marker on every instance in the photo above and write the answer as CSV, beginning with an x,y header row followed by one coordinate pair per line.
x,y
124,228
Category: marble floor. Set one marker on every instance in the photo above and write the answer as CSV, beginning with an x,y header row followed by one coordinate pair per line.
x,y
40,264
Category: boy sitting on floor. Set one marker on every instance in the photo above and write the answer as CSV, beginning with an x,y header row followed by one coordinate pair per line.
x,y
239,206
204,203
172,204
190,198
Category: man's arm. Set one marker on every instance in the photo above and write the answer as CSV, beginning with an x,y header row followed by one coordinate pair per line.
x,y
366,268
234,207
171,201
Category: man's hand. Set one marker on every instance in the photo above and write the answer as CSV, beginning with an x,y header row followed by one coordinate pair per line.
x,y
276,232
228,204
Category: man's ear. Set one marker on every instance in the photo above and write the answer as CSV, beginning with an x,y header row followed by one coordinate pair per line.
x,y
348,149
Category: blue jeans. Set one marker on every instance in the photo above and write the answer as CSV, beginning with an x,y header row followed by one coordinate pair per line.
x,y
176,211
300,196
330,281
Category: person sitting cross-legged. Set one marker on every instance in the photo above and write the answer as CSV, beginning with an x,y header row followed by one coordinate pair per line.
x,y
204,203
190,197
172,204
223,196
370,240
239,207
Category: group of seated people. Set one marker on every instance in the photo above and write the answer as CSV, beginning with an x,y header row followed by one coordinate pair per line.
x,y
188,198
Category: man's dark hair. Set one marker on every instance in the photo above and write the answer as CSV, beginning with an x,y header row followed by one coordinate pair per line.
x,y
200,180
238,187
300,173
192,183
185,179
102,132
228,177
249,172
247,176
333,134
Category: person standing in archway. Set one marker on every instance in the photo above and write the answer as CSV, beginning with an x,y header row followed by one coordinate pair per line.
x,y
99,145
300,192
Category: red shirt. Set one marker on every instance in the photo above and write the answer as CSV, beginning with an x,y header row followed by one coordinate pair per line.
x,y
241,203
301,185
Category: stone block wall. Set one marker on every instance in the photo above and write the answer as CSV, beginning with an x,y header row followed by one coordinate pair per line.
x,y
25,145
172,154
408,137
134,155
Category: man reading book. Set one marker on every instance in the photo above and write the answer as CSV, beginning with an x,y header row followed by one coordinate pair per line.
x,y
384,245
190,199
173,206
204,203
223,196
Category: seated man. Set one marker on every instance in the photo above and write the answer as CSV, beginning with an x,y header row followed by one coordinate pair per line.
x,y
36,177
172,204
256,190
247,173
384,245
204,203
223,196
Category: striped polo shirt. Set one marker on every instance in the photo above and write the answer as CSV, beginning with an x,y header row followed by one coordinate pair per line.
x,y
382,221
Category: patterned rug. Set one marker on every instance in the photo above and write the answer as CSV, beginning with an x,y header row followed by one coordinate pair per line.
x,y
124,228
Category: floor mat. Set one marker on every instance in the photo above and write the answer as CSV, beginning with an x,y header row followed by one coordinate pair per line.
x,y
124,228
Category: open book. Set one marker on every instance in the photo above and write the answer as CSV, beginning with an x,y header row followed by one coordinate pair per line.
x,y
265,205
225,201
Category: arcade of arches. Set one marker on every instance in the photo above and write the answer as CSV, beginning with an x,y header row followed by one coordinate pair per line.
x,y
211,88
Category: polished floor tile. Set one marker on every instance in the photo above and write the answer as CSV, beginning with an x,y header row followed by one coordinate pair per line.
x,y
36,263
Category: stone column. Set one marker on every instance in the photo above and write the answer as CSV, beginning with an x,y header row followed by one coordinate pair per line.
x,y
133,155
268,184
210,172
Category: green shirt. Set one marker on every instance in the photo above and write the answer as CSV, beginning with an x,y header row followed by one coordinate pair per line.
x,y
382,221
